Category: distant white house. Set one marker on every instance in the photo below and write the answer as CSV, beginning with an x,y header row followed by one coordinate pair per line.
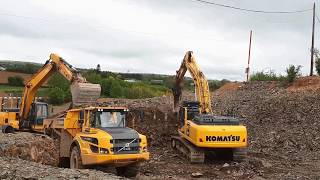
x,y
156,82
130,80
2,68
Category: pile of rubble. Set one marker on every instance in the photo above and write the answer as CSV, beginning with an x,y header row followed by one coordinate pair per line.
x,y
15,168
28,146
33,156
279,121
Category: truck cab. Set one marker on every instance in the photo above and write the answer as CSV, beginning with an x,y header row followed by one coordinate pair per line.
x,y
98,136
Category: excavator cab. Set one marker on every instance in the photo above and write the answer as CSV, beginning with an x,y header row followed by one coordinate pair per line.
x,y
188,110
38,112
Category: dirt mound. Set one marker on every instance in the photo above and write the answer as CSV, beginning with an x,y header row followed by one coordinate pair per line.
x,y
17,151
27,146
281,124
231,86
305,83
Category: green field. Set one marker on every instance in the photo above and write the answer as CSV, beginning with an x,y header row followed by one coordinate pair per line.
x,y
17,90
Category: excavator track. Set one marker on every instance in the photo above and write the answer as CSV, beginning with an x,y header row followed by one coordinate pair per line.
x,y
194,154
240,154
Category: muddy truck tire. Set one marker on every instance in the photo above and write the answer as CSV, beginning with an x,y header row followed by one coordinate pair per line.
x,y
75,159
129,171
7,129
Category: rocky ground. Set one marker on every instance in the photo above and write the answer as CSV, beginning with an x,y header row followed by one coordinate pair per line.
x,y
283,127
33,156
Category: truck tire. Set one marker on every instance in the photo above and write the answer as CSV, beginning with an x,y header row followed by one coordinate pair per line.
x,y
75,159
7,129
129,171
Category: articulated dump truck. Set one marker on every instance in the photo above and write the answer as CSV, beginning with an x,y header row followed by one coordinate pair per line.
x,y
88,135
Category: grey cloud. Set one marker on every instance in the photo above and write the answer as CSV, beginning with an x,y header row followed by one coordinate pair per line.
x,y
218,36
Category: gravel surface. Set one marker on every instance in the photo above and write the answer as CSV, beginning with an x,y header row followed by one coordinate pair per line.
x,y
33,156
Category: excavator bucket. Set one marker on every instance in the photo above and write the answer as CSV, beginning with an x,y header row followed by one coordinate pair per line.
x,y
85,93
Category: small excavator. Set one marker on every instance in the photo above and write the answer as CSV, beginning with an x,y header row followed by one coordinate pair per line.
x,y
201,133
88,134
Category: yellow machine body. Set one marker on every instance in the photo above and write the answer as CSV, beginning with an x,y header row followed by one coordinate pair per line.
x,y
98,145
200,130
208,136
10,119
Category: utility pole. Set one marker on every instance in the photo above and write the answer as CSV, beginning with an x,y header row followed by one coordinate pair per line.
x,y
249,56
312,43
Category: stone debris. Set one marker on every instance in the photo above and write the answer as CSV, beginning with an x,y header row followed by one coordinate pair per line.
x,y
34,156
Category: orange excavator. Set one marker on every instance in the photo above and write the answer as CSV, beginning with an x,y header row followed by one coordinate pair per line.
x,y
31,113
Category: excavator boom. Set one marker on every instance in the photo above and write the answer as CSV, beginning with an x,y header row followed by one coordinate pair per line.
x,y
200,82
82,92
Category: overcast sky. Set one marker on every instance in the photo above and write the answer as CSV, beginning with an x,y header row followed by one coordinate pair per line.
x,y
152,36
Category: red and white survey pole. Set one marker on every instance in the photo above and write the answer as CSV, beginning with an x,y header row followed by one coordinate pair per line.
x,y
249,56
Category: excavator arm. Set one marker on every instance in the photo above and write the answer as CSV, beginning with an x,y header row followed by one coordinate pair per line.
x,y
201,84
56,64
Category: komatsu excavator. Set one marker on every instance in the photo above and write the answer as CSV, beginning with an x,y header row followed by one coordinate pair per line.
x,y
87,134
201,133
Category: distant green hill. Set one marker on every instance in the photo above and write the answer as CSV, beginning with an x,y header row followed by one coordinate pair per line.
x,y
20,66
152,79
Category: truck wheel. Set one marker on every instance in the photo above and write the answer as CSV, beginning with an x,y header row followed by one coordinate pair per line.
x,y
75,159
130,170
7,129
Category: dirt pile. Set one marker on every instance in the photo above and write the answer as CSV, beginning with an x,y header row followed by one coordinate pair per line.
x,y
231,86
17,151
285,123
27,146
14,168
305,83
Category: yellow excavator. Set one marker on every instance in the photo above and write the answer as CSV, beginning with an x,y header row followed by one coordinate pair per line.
x,y
88,135
31,113
202,134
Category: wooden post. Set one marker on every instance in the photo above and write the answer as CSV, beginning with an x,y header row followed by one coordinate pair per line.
x,y
1,103
249,56
11,102
312,43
